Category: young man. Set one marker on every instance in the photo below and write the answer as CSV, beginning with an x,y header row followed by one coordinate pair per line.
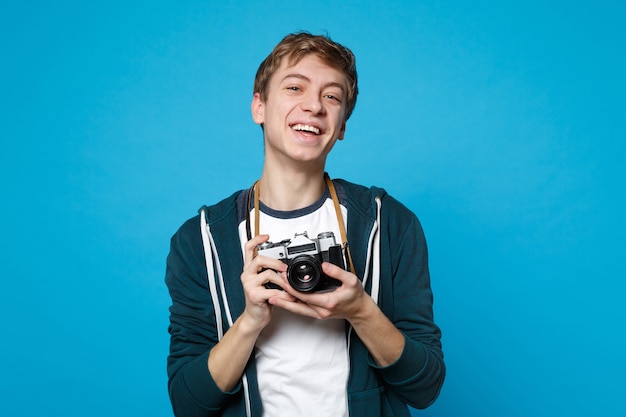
x,y
244,341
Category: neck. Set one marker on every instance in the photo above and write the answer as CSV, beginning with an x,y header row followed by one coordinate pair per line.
x,y
286,190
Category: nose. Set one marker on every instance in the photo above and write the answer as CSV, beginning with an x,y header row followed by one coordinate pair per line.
x,y
312,101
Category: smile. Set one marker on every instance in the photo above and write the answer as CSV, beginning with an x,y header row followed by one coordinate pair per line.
x,y
306,128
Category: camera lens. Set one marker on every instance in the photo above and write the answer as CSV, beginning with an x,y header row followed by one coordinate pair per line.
x,y
304,273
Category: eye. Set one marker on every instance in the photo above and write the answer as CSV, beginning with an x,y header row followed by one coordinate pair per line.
x,y
333,97
293,88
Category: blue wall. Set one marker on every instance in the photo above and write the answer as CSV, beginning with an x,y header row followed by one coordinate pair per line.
x,y
501,124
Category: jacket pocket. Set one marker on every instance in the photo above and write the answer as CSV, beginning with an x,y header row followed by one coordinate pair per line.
x,y
376,403
366,403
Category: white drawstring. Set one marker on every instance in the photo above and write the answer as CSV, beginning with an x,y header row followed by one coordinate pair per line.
x,y
373,246
376,258
209,254
373,256
206,243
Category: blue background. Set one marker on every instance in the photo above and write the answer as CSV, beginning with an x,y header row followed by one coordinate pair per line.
x,y
501,124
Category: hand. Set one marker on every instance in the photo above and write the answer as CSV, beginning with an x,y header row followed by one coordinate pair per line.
x,y
257,272
350,302
345,302
228,358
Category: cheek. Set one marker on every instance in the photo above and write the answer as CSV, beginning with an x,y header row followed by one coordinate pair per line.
x,y
280,113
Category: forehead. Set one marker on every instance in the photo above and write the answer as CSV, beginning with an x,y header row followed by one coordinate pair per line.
x,y
310,68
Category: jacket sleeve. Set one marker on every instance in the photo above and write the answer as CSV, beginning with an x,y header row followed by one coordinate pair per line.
x,y
418,375
192,329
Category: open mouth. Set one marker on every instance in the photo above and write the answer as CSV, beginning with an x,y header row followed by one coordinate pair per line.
x,y
306,128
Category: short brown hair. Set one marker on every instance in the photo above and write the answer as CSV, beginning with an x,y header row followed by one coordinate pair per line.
x,y
295,47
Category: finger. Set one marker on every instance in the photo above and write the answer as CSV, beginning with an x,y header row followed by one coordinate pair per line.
x,y
294,306
280,296
265,262
336,272
251,245
271,276
255,286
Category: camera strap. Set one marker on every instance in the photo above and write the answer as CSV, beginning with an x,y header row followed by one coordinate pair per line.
x,y
333,194
342,227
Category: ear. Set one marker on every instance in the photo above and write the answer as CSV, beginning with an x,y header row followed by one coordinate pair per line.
x,y
342,132
258,109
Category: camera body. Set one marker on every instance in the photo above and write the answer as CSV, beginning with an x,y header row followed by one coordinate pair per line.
x,y
304,258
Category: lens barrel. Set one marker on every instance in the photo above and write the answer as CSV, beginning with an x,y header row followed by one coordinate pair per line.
x,y
304,273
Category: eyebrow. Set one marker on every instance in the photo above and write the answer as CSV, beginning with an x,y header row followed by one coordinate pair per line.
x,y
305,78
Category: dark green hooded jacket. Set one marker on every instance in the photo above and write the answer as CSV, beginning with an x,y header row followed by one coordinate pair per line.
x,y
378,227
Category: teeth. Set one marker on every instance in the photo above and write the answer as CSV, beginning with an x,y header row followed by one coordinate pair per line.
x,y
306,128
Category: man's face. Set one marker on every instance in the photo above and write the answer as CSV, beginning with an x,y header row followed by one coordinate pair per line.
x,y
304,113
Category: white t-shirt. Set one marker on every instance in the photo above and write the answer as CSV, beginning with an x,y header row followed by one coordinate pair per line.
x,y
302,363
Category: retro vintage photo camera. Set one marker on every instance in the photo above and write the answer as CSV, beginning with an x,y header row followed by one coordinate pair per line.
x,y
304,258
